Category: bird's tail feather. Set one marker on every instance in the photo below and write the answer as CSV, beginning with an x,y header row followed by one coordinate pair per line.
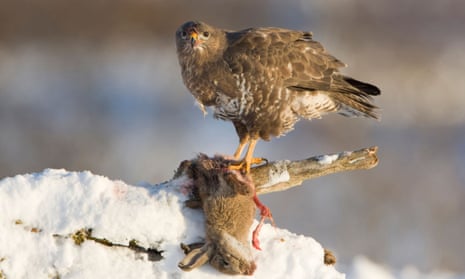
x,y
367,88
354,98
352,105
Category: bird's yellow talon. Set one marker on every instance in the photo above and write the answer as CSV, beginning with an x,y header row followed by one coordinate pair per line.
x,y
245,166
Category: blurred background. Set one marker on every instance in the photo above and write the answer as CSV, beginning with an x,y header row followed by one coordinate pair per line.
x,y
95,85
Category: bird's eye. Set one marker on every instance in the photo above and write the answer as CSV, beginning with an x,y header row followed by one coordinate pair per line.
x,y
206,34
183,34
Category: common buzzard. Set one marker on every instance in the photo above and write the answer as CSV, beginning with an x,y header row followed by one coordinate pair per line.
x,y
264,80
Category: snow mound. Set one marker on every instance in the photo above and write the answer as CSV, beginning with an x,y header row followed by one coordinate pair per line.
x,y
41,213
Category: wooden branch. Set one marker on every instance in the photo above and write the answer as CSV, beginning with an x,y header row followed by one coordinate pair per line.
x,y
282,175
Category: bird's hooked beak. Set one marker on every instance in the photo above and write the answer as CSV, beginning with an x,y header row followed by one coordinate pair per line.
x,y
194,37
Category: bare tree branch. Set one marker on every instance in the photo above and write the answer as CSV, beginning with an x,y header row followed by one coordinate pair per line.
x,y
282,175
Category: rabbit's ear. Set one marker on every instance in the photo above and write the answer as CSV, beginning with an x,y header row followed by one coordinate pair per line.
x,y
196,258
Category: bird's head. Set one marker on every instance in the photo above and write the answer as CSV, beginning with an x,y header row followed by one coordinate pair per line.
x,y
195,38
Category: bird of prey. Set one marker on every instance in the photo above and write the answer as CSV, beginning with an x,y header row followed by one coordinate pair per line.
x,y
264,80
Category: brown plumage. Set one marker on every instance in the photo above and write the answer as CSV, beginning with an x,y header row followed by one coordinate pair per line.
x,y
264,80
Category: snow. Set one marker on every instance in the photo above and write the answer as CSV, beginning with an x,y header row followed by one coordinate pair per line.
x,y
365,269
327,159
40,211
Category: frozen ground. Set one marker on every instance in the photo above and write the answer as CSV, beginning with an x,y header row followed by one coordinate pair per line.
x,y
41,214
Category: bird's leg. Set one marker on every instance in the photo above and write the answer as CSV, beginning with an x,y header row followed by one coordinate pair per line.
x,y
240,148
248,160
244,138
